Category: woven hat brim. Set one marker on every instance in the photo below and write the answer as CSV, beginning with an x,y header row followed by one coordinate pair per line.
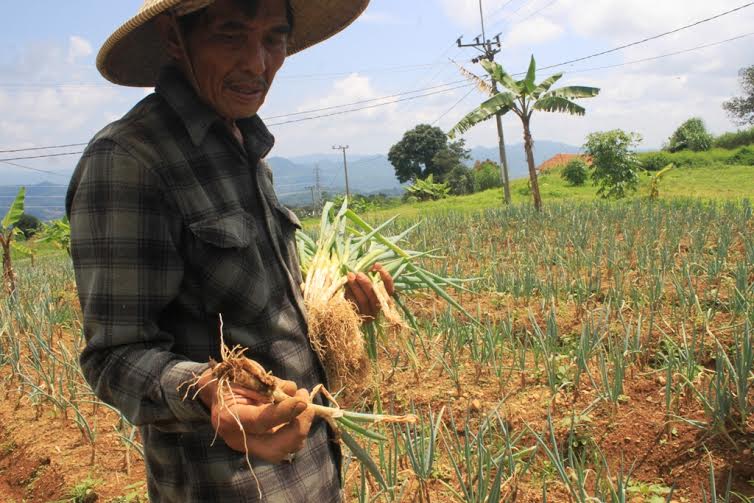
x,y
134,54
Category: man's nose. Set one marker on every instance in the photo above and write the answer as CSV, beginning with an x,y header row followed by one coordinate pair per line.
x,y
254,58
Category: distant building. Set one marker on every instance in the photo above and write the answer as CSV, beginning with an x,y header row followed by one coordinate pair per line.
x,y
559,161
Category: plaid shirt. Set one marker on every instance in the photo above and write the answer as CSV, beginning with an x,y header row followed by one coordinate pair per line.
x,y
172,222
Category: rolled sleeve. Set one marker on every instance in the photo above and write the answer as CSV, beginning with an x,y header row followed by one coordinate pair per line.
x,y
128,270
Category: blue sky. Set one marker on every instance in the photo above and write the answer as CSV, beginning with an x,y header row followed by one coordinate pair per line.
x,y
50,92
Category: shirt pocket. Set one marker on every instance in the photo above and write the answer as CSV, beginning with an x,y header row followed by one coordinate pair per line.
x,y
290,224
226,262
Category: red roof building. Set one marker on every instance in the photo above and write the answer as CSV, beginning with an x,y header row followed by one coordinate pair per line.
x,y
559,161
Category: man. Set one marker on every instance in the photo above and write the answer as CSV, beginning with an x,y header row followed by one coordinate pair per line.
x,y
175,222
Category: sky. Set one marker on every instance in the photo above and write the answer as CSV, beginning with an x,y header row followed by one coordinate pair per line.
x,y
52,94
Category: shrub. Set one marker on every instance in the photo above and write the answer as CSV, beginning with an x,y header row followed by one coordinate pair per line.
x,y
575,172
428,190
736,139
744,157
460,180
486,176
691,135
614,162
655,161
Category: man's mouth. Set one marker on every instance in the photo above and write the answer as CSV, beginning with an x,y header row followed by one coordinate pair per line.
x,y
247,90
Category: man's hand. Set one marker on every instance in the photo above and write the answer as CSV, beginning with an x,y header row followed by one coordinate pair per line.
x,y
359,290
271,432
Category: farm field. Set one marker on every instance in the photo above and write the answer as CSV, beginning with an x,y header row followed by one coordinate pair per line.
x,y
613,362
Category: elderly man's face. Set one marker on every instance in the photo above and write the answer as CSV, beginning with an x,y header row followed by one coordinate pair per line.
x,y
235,57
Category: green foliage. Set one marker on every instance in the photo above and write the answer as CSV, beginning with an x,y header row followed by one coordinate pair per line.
x,y
15,212
449,158
744,157
575,172
425,151
428,190
487,176
614,162
523,97
741,109
735,139
654,161
57,232
460,180
691,135
29,225
654,191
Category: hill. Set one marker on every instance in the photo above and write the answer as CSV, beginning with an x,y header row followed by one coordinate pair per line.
x,y
368,174
721,183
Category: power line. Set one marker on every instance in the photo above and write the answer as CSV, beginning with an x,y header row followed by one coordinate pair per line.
x,y
653,58
392,69
34,169
42,148
454,106
7,161
367,107
648,39
553,2
370,100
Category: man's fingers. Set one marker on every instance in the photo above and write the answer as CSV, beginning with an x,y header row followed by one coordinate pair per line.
x,y
289,439
373,303
288,387
359,296
387,279
260,419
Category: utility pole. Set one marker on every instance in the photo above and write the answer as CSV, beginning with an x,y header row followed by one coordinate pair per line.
x,y
318,185
489,48
345,167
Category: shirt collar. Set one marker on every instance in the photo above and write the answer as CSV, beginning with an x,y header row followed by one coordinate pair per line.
x,y
198,117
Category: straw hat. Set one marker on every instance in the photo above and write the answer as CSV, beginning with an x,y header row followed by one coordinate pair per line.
x,y
134,54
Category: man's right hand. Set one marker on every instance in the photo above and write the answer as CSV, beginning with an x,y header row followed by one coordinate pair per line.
x,y
272,432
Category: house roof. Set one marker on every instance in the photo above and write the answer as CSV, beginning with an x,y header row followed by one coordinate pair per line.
x,y
558,161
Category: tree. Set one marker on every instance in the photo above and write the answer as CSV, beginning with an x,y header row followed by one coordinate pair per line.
x,y
575,172
29,225
58,232
425,151
523,97
614,162
486,175
8,231
460,180
741,109
691,135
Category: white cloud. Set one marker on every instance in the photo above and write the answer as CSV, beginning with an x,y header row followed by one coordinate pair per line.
x,y
78,48
535,31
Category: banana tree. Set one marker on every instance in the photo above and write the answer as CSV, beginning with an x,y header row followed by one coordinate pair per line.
x,y
523,97
8,230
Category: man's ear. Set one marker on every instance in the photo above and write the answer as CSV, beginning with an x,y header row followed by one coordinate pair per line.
x,y
167,27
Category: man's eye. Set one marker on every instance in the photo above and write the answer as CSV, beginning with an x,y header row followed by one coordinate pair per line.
x,y
228,37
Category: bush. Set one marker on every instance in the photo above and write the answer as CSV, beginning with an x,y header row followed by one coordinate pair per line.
x,y
486,176
736,139
614,162
655,161
428,190
744,157
691,135
575,172
460,180
29,225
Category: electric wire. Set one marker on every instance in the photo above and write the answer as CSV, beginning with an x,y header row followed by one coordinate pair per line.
x,y
649,39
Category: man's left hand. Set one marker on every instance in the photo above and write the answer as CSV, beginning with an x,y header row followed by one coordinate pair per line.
x,y
360,291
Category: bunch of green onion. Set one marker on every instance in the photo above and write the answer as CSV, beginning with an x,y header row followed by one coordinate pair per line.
x,y
346,243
